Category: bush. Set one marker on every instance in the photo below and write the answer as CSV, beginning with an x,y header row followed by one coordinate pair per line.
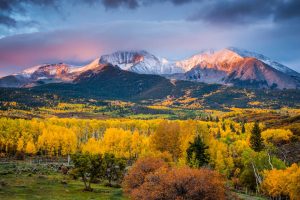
x,y
88,167
137,174
159,182
64,169
182,183
3,183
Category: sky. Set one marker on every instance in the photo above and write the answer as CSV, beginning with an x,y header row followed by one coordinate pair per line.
x,y
34,32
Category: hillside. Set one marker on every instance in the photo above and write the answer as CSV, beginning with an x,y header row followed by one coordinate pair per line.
x,y
108,82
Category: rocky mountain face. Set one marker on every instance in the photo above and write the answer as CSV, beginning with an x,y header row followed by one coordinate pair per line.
x,y
38,75
229,66
268,61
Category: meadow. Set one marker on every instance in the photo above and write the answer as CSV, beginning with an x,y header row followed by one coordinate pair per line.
x,y
22,180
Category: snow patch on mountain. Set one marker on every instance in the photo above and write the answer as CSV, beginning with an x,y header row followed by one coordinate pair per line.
x,y
268,61
141,62
210,59
94,64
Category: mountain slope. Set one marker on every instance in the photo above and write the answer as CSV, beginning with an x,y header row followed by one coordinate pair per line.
x,y
270,62
110,82
13,81
37,75
251,71
228,67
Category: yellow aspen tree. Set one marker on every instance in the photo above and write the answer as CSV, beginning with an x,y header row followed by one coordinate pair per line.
x,y
30,148
68,143
92,146
167,138
117,141
20,144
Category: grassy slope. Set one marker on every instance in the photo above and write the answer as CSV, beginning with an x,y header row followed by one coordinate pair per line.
x,y
49,187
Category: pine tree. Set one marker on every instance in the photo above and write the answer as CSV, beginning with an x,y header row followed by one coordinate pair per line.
x,y
256,141
232,128
224,126
218,136
196,153
243,128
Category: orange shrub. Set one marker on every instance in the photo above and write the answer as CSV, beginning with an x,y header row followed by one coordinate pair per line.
x,y
137,174
158,182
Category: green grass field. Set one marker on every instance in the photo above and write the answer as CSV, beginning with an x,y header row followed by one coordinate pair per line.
x,y
48,185
22,181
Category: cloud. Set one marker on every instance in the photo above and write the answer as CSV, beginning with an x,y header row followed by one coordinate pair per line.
x,y
236,11
288,10
9,8
132,4
78,45
246,12
7,21
212,11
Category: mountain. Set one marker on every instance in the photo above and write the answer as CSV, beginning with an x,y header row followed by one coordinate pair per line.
x,y
108,82
94,64
268,61
253,72
37,75
13,81
226,66
111,82
229,66
140,62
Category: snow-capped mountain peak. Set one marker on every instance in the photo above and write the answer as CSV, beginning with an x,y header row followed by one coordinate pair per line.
x,y
268,61
210,59
94,64
140,62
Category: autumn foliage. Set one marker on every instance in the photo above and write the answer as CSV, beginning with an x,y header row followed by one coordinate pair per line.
x,y
283,183
139,171
161,182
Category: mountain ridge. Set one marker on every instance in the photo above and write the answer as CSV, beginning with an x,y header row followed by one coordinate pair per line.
x,y
229,66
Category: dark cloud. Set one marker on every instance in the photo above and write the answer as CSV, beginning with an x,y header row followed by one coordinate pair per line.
x,y
246,11
7,21
10,7
179,2
132,4
237,11
288,9
213,11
